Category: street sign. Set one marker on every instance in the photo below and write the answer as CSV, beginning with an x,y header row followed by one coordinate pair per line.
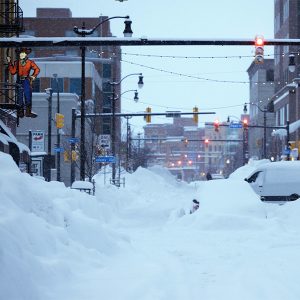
x,y
105,159
235,125
104,141
73,140
38,141
59,149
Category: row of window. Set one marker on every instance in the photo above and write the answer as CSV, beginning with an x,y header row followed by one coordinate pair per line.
x,y
74,86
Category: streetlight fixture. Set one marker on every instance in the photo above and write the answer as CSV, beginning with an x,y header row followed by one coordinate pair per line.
x,y
292,64
58,131
113,131
84,32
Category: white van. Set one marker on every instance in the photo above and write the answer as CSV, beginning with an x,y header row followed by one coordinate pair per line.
x,y
276,181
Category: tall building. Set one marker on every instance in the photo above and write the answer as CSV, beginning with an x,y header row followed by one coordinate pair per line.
x,y
287,93
261,77
60,69
58,22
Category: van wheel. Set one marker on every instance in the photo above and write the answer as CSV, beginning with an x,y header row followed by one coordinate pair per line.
x,y
293,197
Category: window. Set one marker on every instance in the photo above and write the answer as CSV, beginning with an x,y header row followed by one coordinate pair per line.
x,y
269,75
286,10
106,71
60,85
287,112
36,85
75,86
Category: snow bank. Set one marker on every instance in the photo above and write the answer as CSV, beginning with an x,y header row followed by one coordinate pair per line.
x,y
47,231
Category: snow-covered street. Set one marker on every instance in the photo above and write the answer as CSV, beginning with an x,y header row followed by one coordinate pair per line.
x,y
140,242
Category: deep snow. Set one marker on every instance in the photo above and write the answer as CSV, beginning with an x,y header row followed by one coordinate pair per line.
x,y
140,242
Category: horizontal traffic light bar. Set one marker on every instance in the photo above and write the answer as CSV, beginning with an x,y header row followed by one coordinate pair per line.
x,y
176,114
111,41
184,140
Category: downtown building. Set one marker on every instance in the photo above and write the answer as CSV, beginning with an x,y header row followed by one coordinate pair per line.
x,y
61,71
287,93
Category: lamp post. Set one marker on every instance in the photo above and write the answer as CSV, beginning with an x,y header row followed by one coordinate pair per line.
x,y
84,32
113,131
48,159
58,131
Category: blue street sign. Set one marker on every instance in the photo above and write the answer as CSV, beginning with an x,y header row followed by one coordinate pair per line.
x,y
105,159
73,140
235,125
59,150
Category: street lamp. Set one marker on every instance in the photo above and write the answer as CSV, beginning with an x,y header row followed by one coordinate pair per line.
x,y
48,161
113,131
84,32
58,131
269,108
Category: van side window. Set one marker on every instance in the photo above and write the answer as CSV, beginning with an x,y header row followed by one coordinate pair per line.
x,y
254,177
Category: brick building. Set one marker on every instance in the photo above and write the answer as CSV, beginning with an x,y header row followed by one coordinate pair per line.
x,y
58,22
172,146
287,93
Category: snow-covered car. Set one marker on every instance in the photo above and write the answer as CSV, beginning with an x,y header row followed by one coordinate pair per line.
x,y
276,181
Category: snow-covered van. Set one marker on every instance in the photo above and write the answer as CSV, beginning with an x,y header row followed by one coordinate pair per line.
x,y
276,181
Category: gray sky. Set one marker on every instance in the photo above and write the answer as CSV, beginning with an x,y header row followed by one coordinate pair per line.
x,y
181,19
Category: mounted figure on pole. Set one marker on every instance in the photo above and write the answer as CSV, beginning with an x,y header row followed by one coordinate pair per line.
x,y
23,66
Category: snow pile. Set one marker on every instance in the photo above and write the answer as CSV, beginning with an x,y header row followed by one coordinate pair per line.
x,y
141,242
47,231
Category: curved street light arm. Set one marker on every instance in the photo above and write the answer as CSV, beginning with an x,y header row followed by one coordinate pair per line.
x,y
118,82
84,31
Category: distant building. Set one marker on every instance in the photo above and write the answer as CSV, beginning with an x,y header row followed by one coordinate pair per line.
x,y
176,146
261,77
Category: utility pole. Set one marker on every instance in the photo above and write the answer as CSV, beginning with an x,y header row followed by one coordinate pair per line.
x,y
49,158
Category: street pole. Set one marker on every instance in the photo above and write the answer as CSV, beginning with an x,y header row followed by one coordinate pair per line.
x,y
73,145
82,104
288,139
113,134
265,134
48,177
58,177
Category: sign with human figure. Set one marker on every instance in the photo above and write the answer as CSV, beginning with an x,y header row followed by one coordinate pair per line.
x,y
26,71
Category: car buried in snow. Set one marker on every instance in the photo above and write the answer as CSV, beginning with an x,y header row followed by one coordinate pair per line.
x,y
276,182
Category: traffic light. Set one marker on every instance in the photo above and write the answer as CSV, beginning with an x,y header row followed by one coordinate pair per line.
x,y
245,124
216,125
186,141
206,142
66,156
74,155
59,120
148,117
195,116
259,49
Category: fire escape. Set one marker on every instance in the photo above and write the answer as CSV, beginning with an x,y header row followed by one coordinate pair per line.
x,y
11,24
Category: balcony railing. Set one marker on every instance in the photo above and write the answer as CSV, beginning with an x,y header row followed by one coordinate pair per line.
x,y
11,18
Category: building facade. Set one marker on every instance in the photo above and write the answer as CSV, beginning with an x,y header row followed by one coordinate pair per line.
x,y
261,77
287,93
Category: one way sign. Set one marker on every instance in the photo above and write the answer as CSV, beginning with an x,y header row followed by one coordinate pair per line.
x,y
104,141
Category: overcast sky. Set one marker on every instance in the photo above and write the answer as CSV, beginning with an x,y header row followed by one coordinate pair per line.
x,y
181,19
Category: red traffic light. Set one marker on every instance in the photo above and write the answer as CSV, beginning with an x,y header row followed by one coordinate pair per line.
x,y
206,142
216,125
245,123
259,41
